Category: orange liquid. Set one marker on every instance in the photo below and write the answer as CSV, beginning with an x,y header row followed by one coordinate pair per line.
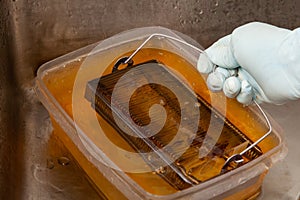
x,y
61,84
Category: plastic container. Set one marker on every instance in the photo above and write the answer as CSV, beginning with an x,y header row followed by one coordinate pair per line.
x,y
117,169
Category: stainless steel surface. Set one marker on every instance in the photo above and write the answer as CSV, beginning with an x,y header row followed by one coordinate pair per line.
x,y
283,180
33,32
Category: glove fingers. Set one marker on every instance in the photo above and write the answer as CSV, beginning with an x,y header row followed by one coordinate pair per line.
x,y
239,88
204,65
246,95
232,86
259,94
220,53
216,79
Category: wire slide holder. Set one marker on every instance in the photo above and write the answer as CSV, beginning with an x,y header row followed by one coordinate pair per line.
x,y
237,158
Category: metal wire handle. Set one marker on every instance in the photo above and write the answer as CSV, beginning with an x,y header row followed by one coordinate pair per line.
x,y
237,158
162,35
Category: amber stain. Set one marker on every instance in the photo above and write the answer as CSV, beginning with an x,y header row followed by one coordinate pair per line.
x,y
60,83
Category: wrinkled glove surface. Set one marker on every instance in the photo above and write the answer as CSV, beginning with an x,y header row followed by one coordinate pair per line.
x,y
257,61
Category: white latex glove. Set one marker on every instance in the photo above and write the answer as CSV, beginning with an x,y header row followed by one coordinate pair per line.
x,y
266,60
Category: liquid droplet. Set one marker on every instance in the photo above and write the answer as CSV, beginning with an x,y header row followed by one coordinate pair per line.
x,y
63,161
160,170
197,105
182,22
162,102
50,164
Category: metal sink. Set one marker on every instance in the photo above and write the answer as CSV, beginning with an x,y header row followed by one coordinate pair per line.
x,y
34,164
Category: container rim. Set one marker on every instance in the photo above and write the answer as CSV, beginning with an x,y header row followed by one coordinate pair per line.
x,y
247,171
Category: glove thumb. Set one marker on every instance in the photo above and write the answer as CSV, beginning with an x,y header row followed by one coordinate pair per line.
x,y
220,53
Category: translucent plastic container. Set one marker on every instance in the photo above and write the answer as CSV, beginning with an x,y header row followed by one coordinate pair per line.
x,y
122,167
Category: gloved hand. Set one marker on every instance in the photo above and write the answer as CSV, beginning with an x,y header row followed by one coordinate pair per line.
x,y
257,61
